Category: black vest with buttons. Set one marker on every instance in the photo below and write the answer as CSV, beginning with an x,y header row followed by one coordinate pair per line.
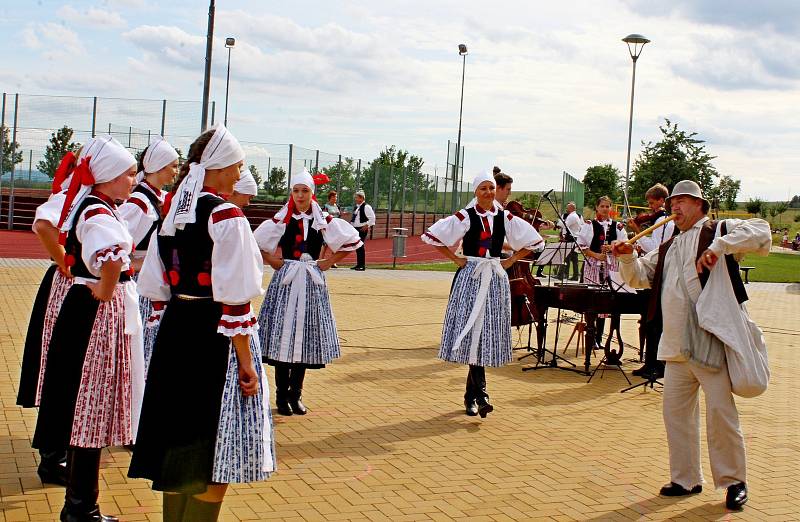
x,y
156,203
472,239
187,254
601,237
292,243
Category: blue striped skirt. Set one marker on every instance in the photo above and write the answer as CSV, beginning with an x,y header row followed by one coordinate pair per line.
x,y
320,341
245,447
494,344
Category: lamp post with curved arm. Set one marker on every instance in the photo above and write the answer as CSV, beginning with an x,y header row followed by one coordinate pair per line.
x,y
638,41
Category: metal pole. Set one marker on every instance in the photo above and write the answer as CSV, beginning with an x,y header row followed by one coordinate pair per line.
x,y
2,148
626,211
435,194
403,197
458,144
30,165
425,211
227,84
207,75
316,162
163,115
358,180
289,174
376,173
338,176
130,132
213,112
414,210
389,200
94,115
13,165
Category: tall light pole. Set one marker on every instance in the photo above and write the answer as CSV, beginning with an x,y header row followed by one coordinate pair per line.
x,y
229,43
462,51
638,42
207,76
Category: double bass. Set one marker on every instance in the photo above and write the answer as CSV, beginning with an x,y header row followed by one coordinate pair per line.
x,y
520,276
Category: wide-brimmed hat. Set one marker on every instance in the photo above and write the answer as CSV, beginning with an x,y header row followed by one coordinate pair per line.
x,y
688,187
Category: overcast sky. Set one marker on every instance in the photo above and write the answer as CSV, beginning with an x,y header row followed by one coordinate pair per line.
x,y
547,83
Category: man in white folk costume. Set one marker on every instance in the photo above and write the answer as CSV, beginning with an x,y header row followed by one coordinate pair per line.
x,y
697,289
477,324
363,219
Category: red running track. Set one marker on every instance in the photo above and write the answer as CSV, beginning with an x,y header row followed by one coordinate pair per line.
x,y
379,251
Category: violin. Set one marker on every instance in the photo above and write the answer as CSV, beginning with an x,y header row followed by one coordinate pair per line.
x,y
645,218
531,215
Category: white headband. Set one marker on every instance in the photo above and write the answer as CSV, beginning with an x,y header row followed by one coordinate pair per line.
x,y
246,184
158,155
303,178
223,150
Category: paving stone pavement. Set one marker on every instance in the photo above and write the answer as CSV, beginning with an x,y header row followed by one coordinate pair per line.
x,y
386,437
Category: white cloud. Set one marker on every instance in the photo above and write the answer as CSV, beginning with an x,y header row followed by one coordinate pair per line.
x,y
53,40
91,17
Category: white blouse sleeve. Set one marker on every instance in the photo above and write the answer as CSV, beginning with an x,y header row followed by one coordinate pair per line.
x,y
370,215
237,270
51,209
521,234
268,235
103,238
447,231
340,235
586,235
138,215
152,282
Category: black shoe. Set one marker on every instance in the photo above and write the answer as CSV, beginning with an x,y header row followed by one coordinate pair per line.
x,y
736,497
53,474
298,408
471,408
484,408
91,516
354,267
644,371
676,490
283,407
359,268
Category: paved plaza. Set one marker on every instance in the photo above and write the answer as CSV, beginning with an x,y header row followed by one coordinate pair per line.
x,y
386,437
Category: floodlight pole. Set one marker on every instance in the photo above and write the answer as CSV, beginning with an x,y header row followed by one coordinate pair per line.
x,y
635,39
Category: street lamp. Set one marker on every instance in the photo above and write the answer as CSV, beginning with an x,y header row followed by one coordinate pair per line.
x,y
207,69
462,51
229,43
638,42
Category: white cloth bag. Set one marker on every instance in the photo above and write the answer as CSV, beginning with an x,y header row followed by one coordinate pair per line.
x,y
718,312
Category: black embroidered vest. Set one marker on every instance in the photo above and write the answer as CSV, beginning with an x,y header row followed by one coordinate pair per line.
x,y
477,240
156,203
74,248
361,213
187,254
600,237
292,243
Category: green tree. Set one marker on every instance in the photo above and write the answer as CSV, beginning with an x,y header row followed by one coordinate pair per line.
x,y
394,167
276,182
342,176
601,180
795,202
725,192
677,156
11,153
777,209
256,176
60,143
754,206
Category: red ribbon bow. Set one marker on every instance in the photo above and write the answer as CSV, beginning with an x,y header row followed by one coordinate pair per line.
x,y
320,178
82,175
63,171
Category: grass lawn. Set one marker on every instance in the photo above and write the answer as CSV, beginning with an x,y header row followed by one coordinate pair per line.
x,y
775,268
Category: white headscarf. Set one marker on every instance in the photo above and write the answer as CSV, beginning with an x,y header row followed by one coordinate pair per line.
x,y
304,178
246,184
102,159
223,150
158,155
486,175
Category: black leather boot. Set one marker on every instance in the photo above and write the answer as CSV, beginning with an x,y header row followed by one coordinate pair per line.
x,y
80,502
481,397
53,467
173,506
296,377
470,405
199,511
282,388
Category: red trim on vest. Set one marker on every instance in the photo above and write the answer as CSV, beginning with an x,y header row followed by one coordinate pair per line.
x,y
228,213
99,195
139,203
242,309
96,211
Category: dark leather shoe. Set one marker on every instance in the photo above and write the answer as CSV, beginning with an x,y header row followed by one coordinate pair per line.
x,y
283,407
484,408
471,408
644,371
676,490
91,516
298,408
53,474
360,268
736,496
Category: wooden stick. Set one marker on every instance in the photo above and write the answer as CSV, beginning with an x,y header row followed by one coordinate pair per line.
x,y
650,229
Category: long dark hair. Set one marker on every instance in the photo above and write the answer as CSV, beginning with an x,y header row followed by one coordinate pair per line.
x,y
140,161
195,153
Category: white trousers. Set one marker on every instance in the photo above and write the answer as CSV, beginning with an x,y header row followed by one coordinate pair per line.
x,y
682,383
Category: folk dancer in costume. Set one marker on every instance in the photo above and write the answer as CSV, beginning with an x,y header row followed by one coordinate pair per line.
x,y
679,272
331,209
363,219
595,240
92,380
158,166
204,421
656,197
52,290
477,324
244,190
296,320
570,225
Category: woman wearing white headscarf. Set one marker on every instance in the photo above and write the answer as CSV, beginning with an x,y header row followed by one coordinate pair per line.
x,y
91,379
52,290
297,326
244,190
477,324
158,166
204,422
